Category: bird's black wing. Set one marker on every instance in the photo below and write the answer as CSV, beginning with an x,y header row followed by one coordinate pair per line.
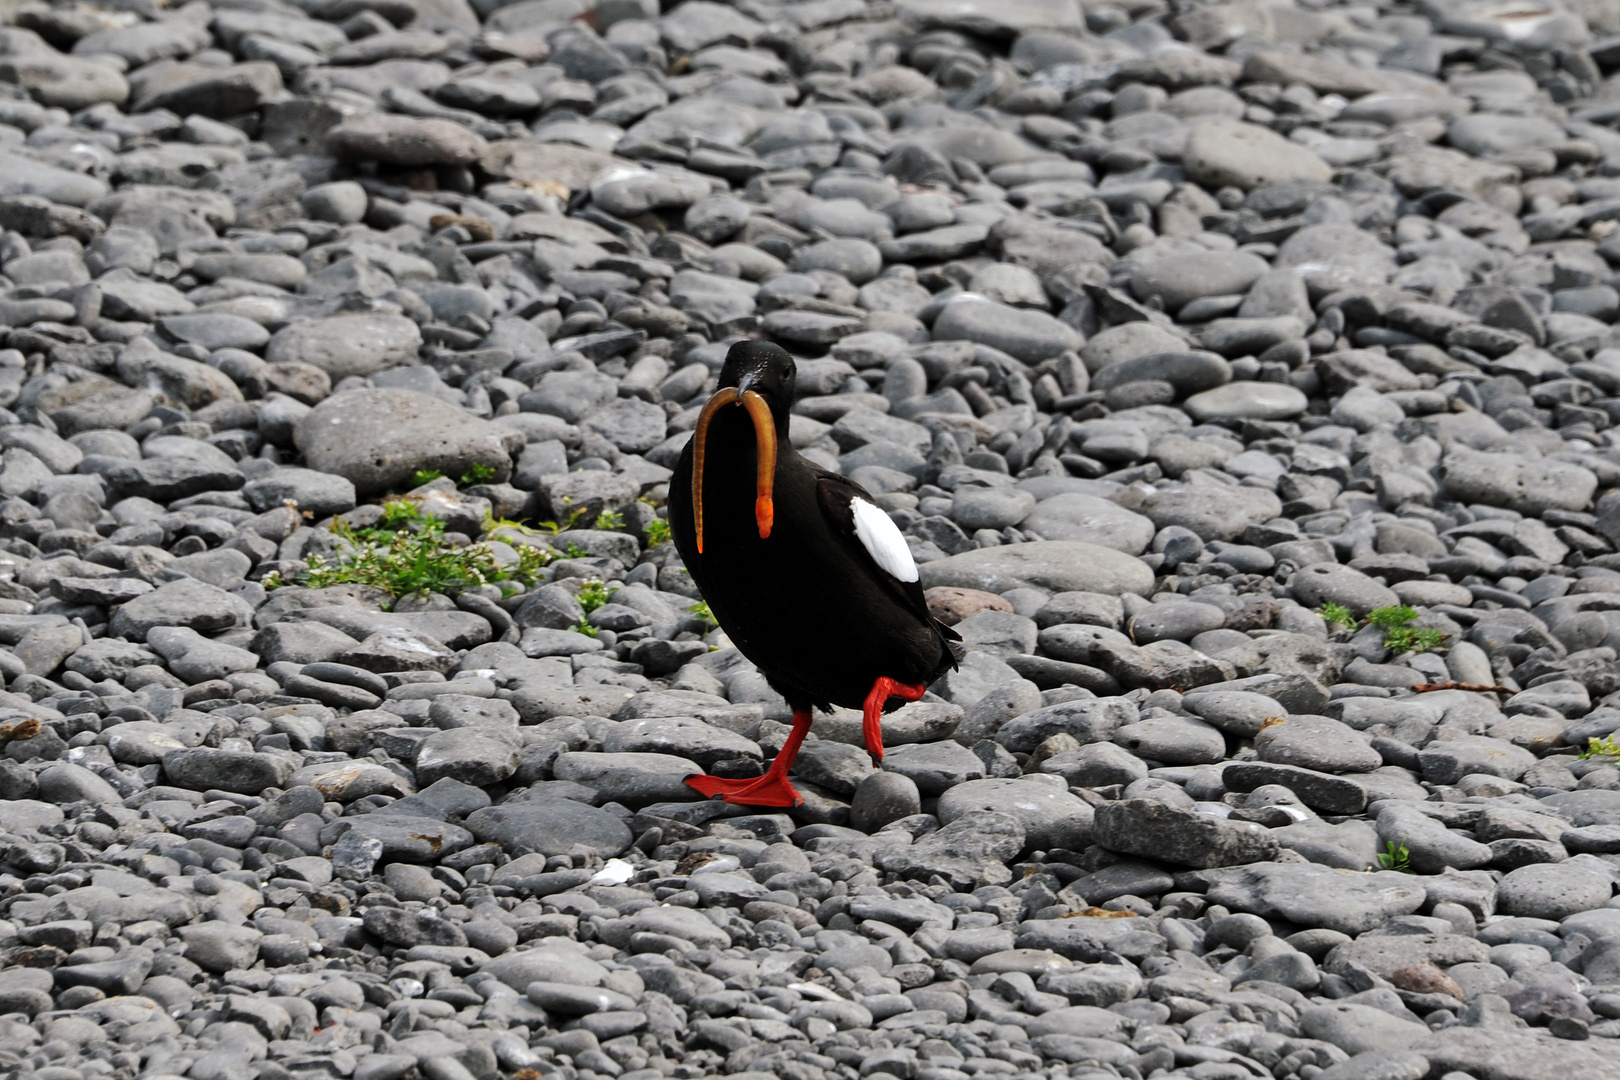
x,y
837,495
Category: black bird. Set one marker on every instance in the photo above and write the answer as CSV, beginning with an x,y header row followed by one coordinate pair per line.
x,y
803,570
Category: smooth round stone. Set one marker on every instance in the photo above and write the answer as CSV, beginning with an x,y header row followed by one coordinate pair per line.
x,y
1075,516
716,218
1329,583
1247,401
1337,256
845,217
1031,336
1236,712
857,260
1009,284
1251,336
1211,513
1096,765
215,330
1176,621
1127,341
991,508
1215,642
378,439
492,97
1203,101
1316,742
572,1000
343,345
1222,152
1551,891
1468,663
1432,593
883,797
1032,962
1489,134
343,202
1137,395
1173,740
1188,372
1528,485
1363,408
1178,280
1245,558
629,192
1050,815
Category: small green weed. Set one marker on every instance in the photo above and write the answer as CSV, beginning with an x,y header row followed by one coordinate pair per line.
x,y
411,555
700,611
1606,747
1336,615
1409,639
593,594
399,513
1396,857
1398,636
1393,617
574,551
657,532
609,519
477,474
583,627
493,524
575,513
425,476
531,560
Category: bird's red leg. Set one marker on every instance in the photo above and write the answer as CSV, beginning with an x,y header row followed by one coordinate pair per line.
x,y
773,788
872,714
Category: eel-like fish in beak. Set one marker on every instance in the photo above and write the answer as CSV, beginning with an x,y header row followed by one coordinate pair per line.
x,y
765,440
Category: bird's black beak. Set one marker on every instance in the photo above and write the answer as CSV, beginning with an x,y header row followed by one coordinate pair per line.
x,y
765,442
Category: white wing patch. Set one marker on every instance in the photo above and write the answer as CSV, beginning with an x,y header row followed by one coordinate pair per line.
x,y
882,540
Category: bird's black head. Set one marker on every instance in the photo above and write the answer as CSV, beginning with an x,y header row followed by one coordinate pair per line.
x,y
767,370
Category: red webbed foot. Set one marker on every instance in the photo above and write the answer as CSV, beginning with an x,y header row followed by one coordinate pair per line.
x,y
768,790
872,715
773,788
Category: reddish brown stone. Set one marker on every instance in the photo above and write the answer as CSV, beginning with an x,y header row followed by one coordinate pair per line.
x,y
950,605
1426,979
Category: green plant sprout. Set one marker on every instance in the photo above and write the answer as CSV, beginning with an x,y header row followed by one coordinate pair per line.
x,y
495,524
657,532
700,611
1606,747
425,476
1396,857
583,627
609,519
478,473
575,513
1399,637
399,513
413,556
1393,617
593,594
1336,615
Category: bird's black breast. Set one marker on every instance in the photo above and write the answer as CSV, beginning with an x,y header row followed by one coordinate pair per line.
x,y
807,605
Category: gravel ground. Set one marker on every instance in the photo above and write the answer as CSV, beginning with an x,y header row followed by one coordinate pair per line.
x,y
1159,330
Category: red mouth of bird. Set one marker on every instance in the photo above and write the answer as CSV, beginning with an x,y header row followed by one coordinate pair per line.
x,y
765,442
